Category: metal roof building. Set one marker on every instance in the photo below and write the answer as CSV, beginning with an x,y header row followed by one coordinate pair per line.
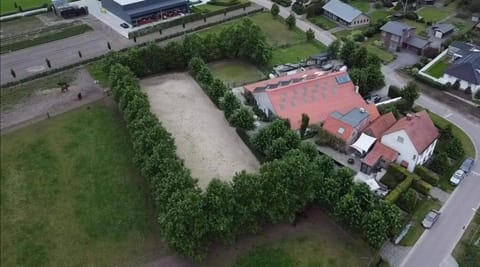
x,y
344,13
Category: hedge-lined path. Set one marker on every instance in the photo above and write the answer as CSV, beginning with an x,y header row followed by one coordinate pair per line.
x,y
439,194
30,61
394,254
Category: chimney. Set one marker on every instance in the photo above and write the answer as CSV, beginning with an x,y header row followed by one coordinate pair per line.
x,y
409,117
362,110
357,89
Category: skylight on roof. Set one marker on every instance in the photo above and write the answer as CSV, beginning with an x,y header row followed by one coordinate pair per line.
x,y
342,79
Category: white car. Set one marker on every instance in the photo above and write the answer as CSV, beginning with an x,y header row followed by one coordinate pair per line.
x,y
457,177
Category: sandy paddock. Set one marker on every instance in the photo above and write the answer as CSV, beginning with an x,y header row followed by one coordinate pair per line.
x,y
209,146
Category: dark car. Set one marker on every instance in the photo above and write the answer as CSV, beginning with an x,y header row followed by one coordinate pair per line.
x,y
375,98
467,165
430,219
124,25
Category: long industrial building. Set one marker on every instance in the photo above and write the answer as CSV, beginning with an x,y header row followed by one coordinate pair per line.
x,y
138,12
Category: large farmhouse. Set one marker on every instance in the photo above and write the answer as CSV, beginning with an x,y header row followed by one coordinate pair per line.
x,y
345,14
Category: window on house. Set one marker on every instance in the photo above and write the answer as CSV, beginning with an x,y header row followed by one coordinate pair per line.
x,y
400,139
341,130
414,157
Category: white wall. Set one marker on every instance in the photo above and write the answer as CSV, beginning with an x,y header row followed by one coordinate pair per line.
x,y
463,84
422,158
406,149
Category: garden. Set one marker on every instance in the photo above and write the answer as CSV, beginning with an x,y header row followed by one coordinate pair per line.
x,y
467,251
437,69
8,7
433,14
71,194
225,210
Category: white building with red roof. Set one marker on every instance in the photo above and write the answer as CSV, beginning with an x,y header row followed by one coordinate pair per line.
x,y
414,138
313,92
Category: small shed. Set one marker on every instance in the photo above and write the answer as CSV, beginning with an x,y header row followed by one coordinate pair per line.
x,y
442,29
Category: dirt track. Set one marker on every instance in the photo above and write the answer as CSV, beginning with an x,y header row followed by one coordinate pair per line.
x,y
209,146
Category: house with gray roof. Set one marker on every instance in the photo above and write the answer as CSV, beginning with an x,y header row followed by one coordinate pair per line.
x,y
466,70
345,14
397,35
441,30
459,49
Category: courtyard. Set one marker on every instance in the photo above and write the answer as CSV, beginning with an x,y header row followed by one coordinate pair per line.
x,y
204,140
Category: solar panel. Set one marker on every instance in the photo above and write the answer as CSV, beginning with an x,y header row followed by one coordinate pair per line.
x,y
342,79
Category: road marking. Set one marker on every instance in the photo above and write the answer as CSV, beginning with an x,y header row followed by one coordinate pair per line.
x,y
448,115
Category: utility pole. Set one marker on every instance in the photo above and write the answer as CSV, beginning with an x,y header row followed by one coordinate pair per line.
x,y
405,7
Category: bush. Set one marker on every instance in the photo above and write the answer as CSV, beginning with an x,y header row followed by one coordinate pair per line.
x,y
477,94
377,5
394,91
456,85
431,52
298,8
284,3
408,200
427,175
440,163
411,15
468,91
421,186
393,196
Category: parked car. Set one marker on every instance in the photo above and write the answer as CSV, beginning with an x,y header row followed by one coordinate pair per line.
x,y
457,177
124,25
430,219
467,165
375,98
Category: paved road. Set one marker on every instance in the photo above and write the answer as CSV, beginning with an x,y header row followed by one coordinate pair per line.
x,y
435,246
30,61
321,35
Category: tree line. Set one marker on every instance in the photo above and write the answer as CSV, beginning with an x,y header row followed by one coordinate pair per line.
x,y
295,176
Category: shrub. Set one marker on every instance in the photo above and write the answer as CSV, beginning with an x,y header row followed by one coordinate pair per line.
x,y
298,8
431,52
284,3
411,15
359,37
468,90
408,200
477,94
440,163
393,196
427,175
394,91
377,5
456,85
421,186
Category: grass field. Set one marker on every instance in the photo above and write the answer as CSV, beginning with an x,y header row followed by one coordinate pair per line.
x,y
361,5
377,15
383,54
433,14
423,207
12,95
50,37
236,72
8,6
437,69
97,73
71,196
323,22
295,53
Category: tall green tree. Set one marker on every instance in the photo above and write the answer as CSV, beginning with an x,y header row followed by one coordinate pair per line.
x,y
217,90
304,124
242,118
310,35
265,136
375,228
334,48
220,208
275,10
229,104
410,92
360,58
291,21
195,65
347,53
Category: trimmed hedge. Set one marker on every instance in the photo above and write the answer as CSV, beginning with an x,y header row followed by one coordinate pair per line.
x,y
284,3
421,186
393,196
398,172
427,175
394,91
186,19
429,82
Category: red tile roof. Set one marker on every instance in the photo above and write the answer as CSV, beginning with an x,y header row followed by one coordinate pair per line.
x,y
380,151
332,125
419,128
314,93
380,125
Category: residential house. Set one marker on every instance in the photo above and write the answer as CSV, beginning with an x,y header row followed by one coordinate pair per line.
x,y
397,35
459,49
442,29
414,138
345,14
347,126
313,92
466,70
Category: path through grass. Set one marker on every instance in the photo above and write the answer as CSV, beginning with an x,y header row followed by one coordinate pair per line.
x,y
71,196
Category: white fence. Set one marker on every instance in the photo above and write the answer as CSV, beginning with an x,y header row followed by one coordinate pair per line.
x,y
426,67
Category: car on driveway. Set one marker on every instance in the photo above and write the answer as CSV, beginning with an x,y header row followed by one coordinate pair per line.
x,y
430,219
124,25
457,177
467,165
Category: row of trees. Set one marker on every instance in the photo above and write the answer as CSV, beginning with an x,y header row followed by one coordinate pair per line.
x,y
244,40
364,67
237,115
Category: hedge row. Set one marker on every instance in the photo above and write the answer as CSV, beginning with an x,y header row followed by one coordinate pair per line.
x,y
427,175
284,3
421,186
429,82
186,19
393,196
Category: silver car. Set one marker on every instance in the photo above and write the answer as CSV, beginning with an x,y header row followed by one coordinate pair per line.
x,y
467,165
457,177
430,219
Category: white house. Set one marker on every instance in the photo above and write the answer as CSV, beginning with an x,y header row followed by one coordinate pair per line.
x,y
466,70
414,138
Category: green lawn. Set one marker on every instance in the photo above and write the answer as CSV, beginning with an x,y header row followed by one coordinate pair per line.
x,y
207,8
361,5
71,196
323,22
433,14
377,15
295,53
8,6
419,26
466,252
383,54
10,96
50,37
97,73
236,72
423,207
437,69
